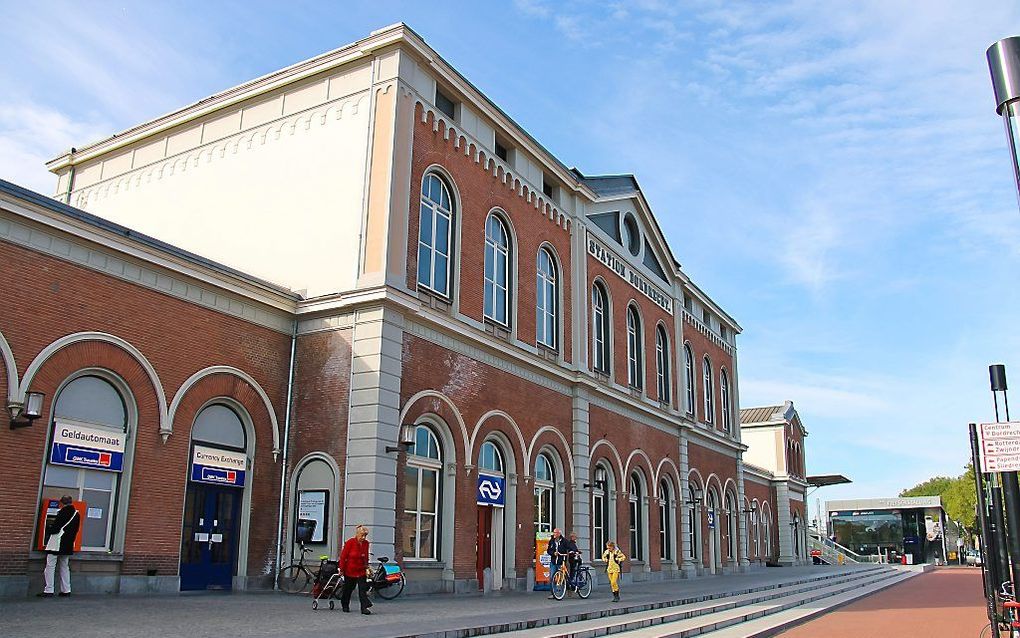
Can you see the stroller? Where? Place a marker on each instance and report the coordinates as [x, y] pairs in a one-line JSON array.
[[327, 582]]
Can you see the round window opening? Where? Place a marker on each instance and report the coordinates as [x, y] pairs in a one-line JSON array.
[[631, 234]]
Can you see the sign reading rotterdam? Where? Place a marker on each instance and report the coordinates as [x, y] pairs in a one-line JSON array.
[[628, 274]]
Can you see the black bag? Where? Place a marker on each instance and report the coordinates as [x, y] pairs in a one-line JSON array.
[[327, 569]]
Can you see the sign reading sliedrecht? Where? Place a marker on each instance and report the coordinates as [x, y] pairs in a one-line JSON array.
[[620, 267], [83, 446], [219, 467], [1000, 446]]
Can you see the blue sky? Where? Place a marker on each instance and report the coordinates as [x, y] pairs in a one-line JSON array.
[[833, 174]]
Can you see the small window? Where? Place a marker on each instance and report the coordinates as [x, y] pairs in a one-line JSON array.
[[547, 187], [706, 317], [445, 104], [501, 152], [688, 303], [631, 234], [724, 332]]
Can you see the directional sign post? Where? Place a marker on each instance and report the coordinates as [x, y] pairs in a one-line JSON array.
[[1000, 446]]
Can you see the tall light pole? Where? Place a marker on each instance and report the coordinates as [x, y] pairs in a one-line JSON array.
[[1004, 64]]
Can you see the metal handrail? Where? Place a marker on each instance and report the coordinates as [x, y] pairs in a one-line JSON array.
[[833, 550]]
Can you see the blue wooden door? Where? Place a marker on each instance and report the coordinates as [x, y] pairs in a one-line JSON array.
[[209, 539]]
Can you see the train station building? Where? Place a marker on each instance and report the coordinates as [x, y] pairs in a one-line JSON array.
[[355, 291]]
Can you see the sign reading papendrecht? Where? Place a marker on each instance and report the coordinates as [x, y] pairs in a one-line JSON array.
[[219, 467], [83, 446]]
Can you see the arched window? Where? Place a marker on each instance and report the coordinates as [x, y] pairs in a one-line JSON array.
[[731, 528], [92, 406], [545, 483], [689, 377], [724, 397], [422, 485], [601, 517], [662, 381], [221, 426], [766, 533], [665, 520], [490, 458], [547, 300], [637, 550], [756, 529], [709, 391], [635, 368], [600, 328], [435, 235], [693, 522], [796, 535], [497, 270]]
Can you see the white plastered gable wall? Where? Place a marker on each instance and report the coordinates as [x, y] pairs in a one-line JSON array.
[[273, 185]]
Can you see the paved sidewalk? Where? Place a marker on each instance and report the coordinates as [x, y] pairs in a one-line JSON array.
[[947, 602], [271, 614]]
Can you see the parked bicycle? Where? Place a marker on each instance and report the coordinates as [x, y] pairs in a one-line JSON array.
[[581, 581], [296, 577], [1009, 622], [387, 580]]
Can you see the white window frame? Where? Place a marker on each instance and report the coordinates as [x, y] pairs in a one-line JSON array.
[[547, 488], [495, 251], [600, 328], [635, 363], [724, 398], [666, 535], [437, 210], [690, 378], [427, 464], [662, 376], [709, 414], [693, 524], [635, 515], [546, 300]]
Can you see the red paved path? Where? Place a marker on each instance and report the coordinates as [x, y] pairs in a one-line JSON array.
[[945, 603]]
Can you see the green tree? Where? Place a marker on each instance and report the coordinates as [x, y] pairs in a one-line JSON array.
[[936, 486]]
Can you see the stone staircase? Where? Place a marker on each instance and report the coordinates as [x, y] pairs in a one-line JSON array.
[[760, 611]]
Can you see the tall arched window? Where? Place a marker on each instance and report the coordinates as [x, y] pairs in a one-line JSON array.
[[689, 377], [422, 486], [693, 522], [88, 405], [547, 300], [635, 368], [709, 391], [600, 328], [662, 382], [545, 483], [731, 528], [766, 533], [724, 398], [755, 531], [497, 270], [601, 518], [490, 458], [435, 235], [637, 550], [665, 520]]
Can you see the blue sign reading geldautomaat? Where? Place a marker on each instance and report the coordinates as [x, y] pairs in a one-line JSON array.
[[84, 446]]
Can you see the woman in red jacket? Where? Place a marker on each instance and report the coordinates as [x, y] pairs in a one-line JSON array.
[[354, 565]]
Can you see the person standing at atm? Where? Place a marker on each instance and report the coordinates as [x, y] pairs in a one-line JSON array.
[[66, 524]]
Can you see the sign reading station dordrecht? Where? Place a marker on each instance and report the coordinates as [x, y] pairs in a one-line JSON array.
[[597, 250], [84, 446], [218, 467], [491, 490]]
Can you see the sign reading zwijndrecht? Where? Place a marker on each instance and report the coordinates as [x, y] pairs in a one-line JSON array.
[[219, 467], [599, 251], [83, 446]]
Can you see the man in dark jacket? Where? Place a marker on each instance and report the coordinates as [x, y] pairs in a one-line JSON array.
[[557, 550], [67, 519]]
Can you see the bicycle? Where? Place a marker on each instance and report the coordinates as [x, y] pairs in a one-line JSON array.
[[387, 581], [294, 578], [1009, 620], [582, 581]]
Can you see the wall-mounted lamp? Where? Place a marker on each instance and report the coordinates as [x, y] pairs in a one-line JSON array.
[[752, 509], [698, 494], [407, 434], [600, 479], [23, 414]]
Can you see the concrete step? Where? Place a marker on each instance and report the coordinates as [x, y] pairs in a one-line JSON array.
[[619, 620], [773, 624], [736, 622]]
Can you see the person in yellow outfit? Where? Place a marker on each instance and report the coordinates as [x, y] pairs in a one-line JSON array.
[[613, 557]]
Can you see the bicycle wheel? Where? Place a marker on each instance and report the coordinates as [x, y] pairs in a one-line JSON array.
[[293, 579], [392, 590], [559, 585], [584, 583]]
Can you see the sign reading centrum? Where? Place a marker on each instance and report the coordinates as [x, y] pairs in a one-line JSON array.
[[1000, 446], [620, 267]]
